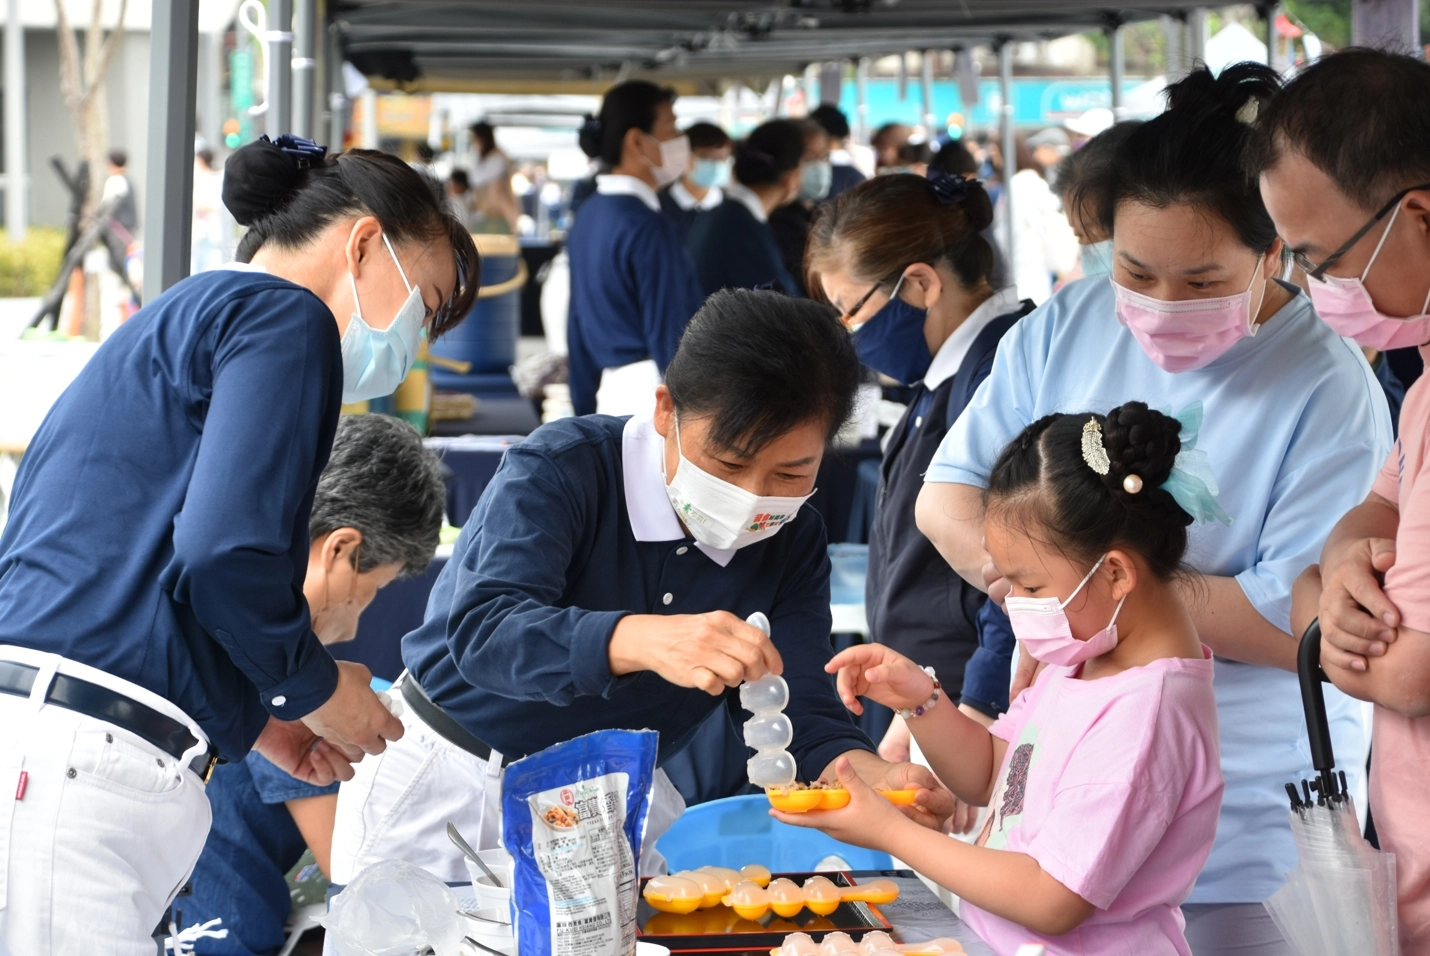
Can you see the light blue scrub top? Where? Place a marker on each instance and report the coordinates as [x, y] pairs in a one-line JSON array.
[[1296, 427]]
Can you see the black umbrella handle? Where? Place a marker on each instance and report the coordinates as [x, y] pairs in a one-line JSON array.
[[1308, 668]]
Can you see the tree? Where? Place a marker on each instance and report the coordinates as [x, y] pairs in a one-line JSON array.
[[82, 84]]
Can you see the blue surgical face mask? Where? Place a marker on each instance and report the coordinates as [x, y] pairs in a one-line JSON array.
[[1096, 258], [711, 173], [817, 177], [893, 340], [375, 361]]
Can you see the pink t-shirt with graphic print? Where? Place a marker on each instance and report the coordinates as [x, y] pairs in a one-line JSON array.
[[1401, 768], [1113, 786]]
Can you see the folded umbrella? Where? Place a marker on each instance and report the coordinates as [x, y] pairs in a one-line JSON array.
[[1340, 896]]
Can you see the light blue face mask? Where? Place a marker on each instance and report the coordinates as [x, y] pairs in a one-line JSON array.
[[711, 173], [817, 177], [1096, 258], [375, 361]]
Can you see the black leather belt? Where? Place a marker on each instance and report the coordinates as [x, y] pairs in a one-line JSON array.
[[443, 724], [101, 703]]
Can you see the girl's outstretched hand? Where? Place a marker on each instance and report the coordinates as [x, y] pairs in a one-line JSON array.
[[864, 822], [880, 674]]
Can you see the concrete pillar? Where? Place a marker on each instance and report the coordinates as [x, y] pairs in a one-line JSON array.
[[17, 137], [1009, 146], [1117, 67], [278, 44], [304, 66], [861, 91], [169, 179], [1197, 35], [1390, 24], [337, 93], [931, 122]]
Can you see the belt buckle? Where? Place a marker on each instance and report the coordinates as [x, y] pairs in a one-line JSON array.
[[209, 766]]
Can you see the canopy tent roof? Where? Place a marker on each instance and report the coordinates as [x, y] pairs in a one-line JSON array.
[[464, 44]]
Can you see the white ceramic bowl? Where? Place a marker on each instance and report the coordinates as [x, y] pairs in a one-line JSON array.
[[494, 935], [488, 895]]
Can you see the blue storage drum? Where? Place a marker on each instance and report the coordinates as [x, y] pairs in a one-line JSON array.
[[486, 338]]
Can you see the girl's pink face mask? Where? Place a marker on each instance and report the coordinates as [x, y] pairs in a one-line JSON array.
[[1187, 334], [1042, 626], [1345, 305]]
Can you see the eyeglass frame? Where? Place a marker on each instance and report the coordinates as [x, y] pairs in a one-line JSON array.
[[1318, 271], [848, 316]]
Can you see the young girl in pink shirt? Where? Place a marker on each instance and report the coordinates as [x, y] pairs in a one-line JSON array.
[[1103, 779]]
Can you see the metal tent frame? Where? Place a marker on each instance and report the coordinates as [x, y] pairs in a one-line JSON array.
[[446, 44]]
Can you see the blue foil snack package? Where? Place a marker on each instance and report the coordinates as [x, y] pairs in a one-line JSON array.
[[573, 817]]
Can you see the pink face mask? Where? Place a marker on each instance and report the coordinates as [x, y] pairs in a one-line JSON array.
[[1345, 305], [1187, 334], [1041, 624]]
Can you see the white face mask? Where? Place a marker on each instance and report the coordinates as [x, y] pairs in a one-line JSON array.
[[674, 160], [721, 515], [375, 361]]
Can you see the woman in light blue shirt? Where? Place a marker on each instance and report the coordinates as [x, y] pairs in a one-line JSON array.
[[1295, 426]]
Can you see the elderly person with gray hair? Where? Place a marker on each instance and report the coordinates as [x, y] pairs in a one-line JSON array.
[[376, 516]]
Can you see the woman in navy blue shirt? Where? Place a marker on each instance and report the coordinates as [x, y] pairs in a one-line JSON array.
[[633, 285], [151, 608], [604, 580], [904, 260], [733, 244]]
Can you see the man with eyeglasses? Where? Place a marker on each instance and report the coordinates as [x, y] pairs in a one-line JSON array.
[[1344, 161]]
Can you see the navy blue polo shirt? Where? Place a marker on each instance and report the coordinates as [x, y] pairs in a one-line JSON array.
[[240, 876], [159, 524], [633, 285], [575, 532]]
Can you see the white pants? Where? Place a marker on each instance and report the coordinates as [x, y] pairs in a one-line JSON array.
[[398, 805], [629, 389], [98, 828]]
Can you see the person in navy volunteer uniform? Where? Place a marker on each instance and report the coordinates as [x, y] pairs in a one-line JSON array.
[[843, 175], [376, 516], [733, 244], [633, 285], [701, 188], [904, 260], [151, 608], [604, 581]]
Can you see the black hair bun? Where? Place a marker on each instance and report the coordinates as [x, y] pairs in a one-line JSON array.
[[260, 177], [589, 138], [1227, 94], [1144, 442]]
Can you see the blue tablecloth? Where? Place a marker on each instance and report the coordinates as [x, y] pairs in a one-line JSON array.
[[471, 461]]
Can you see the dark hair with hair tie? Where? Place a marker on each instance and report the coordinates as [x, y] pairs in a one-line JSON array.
[[880, 227], [1043, 480], [1194, 154], [770, 151], [626, 106], [288, 192]]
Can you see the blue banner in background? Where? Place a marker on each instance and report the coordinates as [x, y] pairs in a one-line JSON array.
[[1036, 101]]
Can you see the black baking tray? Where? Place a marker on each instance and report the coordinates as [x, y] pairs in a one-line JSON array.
[[722, 932]]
